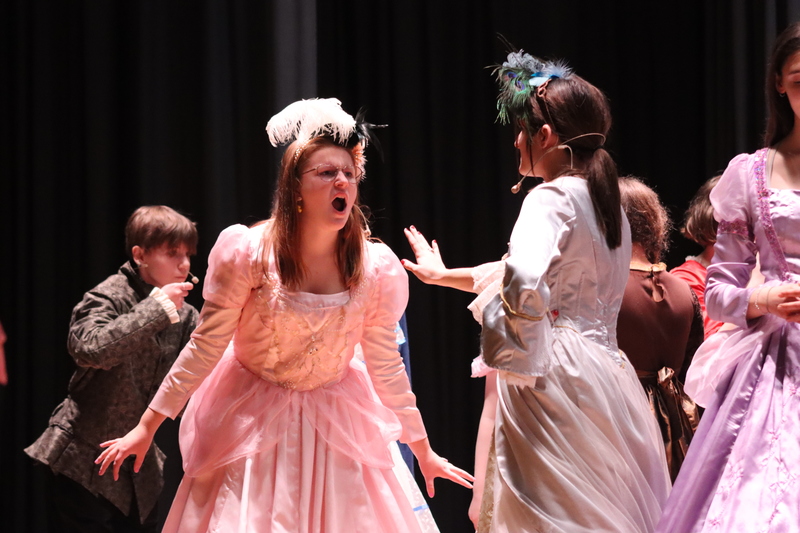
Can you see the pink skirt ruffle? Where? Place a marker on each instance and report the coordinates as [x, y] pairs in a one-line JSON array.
[[263, 459], [234, 414]]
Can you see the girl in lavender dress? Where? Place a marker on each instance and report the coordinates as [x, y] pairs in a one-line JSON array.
[[740, 474]]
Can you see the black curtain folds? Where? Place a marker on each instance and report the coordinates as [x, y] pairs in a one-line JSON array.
[[110, 105]]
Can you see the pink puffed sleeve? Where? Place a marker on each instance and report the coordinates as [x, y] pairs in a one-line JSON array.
[[231, 275], [732, 198], [233, 265], [383, 360]]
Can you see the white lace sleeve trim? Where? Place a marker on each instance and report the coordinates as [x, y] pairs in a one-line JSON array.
[[168, 305]]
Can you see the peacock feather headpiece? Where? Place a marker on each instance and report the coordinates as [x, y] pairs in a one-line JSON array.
[[519, 76]]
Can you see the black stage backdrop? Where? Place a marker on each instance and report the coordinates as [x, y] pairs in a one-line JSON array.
[[110, 105]]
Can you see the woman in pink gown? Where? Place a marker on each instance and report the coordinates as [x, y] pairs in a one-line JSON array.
[[283, 432]]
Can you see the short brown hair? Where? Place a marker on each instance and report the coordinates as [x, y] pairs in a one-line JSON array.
[[650, 224], [151, 226], [699, 224]]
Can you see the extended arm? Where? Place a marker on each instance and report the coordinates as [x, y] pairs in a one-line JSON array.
[[430, 268], [387, 372]]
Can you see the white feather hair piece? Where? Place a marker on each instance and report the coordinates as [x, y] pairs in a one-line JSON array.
[[306, 119]]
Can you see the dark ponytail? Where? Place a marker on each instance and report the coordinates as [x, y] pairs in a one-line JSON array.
[[579, 114], [601, 173]]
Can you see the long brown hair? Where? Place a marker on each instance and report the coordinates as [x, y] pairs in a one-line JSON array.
[[780, 117], [574, 107], [281, 237]]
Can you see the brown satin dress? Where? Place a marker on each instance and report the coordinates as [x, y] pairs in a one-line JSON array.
[[659, 328]]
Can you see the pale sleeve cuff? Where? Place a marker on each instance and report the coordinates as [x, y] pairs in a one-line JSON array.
[[486, 281], [518, 380], [168, 305], [480, 369]]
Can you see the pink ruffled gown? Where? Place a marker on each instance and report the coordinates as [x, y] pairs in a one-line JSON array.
[[283, 432], [740, 474]]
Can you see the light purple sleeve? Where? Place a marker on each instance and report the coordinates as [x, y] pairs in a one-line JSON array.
[[733, 200]]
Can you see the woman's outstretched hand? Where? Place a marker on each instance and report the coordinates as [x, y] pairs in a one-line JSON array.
[[432, 466], [429, 267], [136, 442]]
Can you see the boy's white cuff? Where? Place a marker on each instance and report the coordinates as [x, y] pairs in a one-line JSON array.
[[168, 305]]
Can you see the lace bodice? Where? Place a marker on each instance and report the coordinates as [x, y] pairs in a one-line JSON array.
[[295, 340]]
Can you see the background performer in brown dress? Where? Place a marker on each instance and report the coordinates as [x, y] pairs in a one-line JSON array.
[[660, 325]]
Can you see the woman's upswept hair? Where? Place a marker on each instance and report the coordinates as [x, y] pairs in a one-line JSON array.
[[699, 224], [574, 107], [780, 117], [650, 223], [151, 226], [281, 237]]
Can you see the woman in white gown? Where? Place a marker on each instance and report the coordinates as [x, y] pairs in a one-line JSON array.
[[575, 447]]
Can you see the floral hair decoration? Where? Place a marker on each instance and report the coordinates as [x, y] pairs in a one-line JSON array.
[[519, 76]]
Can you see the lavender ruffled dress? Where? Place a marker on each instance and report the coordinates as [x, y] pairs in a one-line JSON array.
[[741, 472]]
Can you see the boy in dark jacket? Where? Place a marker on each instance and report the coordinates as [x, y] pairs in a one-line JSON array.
[[124, 336]]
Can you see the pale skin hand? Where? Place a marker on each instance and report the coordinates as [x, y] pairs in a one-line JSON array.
[[177, 292], [136, 442], [780, 300], [432, 466], [430, 268]]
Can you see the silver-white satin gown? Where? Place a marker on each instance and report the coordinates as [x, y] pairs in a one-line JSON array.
[[576, 448]]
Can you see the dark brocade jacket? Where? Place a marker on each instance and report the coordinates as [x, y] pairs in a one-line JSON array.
[[124, 344]]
